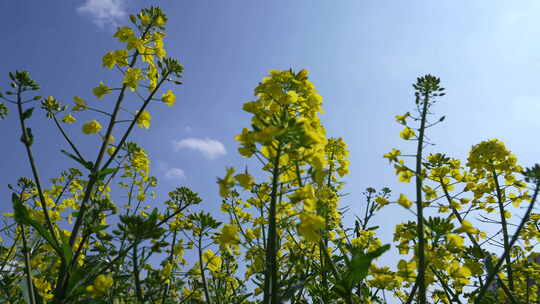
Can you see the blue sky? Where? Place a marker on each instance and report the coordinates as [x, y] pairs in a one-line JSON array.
[[363, 57]]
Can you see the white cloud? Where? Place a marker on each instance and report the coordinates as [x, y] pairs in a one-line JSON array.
[[104, 12], [175, 173], [208, 147]]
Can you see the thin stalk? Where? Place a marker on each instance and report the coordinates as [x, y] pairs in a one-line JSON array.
[[63, 277], [201, 267], [27, 268], [508, 293], [66, 137], [325, 235], [504, 230], [335, 272], [413, 292], [270, 281], [491, 276], [101, 153], [166, 287], [138, 289], [420, 208], [27, 143], [8, 256], [449, 294]]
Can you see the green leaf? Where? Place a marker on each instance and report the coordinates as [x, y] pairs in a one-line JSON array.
[[66, 248], [3, 110], [82, 276], [23, 284], [87, 164], [295, 285], [359, 265], [28, 113], [101, 174], [29, 139], [21, 214], [23, 218]]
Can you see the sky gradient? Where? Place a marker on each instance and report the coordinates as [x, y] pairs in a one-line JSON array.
[[362, 56]]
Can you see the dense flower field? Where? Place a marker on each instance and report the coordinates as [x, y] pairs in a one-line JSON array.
[[88, 236]]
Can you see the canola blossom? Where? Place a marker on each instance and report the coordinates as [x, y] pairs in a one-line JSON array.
[[102, 231], [91, 127]]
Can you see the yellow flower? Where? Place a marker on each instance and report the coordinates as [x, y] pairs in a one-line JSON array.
[[492, 155], [406, 133], [406, 176], [121, 57], [145, 19], [402, 118], [160, 20], [69, 119], [80, 104], [252, 234], [267, 134], [168, 98], [307, 192], [228, 236], [245, 180], [404, 201], [459, 273], [110, 140], [101, 286], [226, 183], [455, 240], [135, 43], [292, 97], [101, 90], [110, 150], [381, 200], [392, 155], [144, 120], [466, 227], [112, 58], [91, 127], [43, 287], [309, 227], [132, 78], [303, 73], [406, 270], [108, 60], [123, 34], [213, 262]]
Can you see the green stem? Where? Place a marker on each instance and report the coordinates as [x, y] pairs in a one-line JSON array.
[[66, 137], [335, 272], [171, 255], [138, 288], [504, 230], [201, 267], [420, 207], [110, 127], [27, 268], [271, 291], [449, 294], [27, 143], [491, 275]]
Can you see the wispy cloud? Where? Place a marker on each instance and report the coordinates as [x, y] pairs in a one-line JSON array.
[[175, 173], [103, 12], [210, 148]]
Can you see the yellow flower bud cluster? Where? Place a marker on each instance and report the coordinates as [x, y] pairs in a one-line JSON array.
[[100, 287]]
